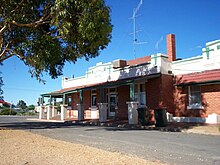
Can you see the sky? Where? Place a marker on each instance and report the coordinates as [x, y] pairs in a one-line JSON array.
[[194, 22]]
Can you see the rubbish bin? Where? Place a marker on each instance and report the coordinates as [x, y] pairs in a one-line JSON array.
[[143, 115], [160, 117]]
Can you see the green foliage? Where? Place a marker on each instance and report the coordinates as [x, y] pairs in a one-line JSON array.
[[21, 104], [26, 114], [7, 111], [45, 34], [31, 107]]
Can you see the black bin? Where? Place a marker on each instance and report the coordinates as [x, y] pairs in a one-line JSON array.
[[160, 117], [143, 115]]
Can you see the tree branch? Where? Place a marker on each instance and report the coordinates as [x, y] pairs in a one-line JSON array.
[[33, 24], [3, 52], [3, 56], [18, 5], [2, 29]]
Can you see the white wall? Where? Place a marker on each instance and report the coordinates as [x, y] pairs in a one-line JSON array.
[[105, 72], [209, 60]]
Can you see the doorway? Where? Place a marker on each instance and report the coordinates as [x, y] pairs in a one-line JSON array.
[[112, 101]]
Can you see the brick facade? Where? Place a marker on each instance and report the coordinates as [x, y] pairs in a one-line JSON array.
[[210, 95], [171, 47], [123, 97], [160, 93]]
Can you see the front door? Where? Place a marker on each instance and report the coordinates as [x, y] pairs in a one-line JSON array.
[[112, 102]]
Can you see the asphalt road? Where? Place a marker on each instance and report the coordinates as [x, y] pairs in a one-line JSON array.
[[169, 147]]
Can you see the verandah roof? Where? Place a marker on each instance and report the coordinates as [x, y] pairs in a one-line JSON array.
[[199, 78], [60, 93]]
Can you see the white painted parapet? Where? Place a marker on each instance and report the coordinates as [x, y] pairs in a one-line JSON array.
[[106, 72], [132, 112], [102, 112], [209, 60]]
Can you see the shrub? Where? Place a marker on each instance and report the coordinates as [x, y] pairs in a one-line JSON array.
[[7, 111]]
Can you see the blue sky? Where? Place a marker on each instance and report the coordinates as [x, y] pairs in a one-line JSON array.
[[194, 22]]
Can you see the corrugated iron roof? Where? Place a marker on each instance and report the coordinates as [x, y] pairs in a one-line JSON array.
[[96, 85], [199, 77]]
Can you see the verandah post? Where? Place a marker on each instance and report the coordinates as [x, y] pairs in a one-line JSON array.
[[80, 106]]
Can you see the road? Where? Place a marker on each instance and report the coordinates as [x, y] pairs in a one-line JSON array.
[[169, 147]]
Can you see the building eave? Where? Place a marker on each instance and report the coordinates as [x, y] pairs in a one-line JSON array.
[[199, 83]]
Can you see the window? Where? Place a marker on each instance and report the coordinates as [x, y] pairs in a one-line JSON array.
[[112, 90], [195, 100], [69, 100], [93, 98], [140, 94]]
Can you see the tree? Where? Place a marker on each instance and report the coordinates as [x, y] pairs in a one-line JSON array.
[[21, 104], [31, 107], [1, 84], [45, 34]]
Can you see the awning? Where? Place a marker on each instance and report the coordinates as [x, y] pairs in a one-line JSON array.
[[199, 78], [108, 84]]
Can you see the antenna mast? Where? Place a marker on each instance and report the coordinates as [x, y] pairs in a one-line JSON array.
[[134, 26]]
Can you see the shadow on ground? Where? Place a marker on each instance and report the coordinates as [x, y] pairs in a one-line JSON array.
[[109, 125], [33, 125]]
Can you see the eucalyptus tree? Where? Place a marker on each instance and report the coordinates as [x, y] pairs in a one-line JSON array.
[[45, 34], [1, 84]]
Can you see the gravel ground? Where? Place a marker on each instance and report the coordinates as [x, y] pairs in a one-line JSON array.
[[20, 148], [207, 130]]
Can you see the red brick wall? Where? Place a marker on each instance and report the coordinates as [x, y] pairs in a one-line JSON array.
[[180, 100], [75, 100], [210, 100], [167, 93], [87, 99], [171, 47], [160, 93], [153, 87], [123, 97]]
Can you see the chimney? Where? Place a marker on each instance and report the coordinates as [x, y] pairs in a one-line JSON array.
[[171, 47]]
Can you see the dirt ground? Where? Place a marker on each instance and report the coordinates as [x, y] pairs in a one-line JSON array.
[[208, 130], [20, 148]]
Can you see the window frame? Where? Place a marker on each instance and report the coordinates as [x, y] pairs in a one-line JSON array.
[[140, 94], [93, 95], [193, 95]]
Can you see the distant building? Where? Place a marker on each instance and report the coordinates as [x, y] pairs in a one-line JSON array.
[[4, 104], [189, 89]]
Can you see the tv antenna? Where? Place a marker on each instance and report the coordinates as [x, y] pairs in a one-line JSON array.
[[134, 27]]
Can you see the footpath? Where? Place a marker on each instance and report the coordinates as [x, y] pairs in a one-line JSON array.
[[198, 128]]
